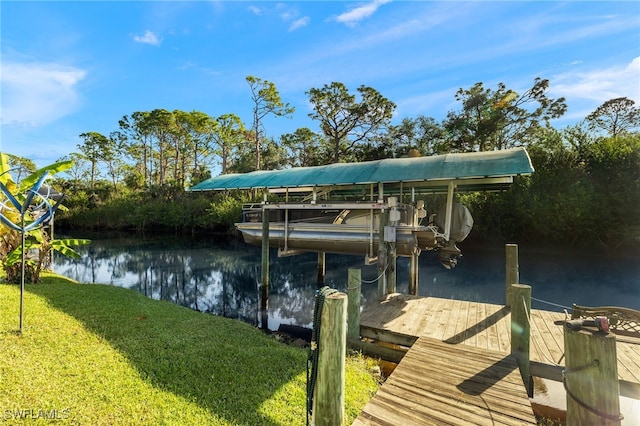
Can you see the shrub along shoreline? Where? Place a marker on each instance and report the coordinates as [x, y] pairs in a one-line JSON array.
[[98, 354]]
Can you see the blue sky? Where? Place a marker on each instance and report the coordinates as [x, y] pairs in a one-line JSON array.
[[74, 67]]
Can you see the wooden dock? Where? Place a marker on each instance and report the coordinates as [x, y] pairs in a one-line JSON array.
[[440, 383], [471, 337]]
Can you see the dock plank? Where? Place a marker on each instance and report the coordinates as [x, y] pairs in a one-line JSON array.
[[549, 334], [481, 387], [447, 316], [452, 324]]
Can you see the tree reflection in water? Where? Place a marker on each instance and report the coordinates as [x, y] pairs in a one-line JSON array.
[[222, 277]]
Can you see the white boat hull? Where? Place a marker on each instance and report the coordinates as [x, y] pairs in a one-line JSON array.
[[338, 238]]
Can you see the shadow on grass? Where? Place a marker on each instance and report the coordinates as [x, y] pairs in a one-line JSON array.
[[225, 366]]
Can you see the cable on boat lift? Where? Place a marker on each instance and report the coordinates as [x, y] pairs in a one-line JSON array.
[[379, 276]]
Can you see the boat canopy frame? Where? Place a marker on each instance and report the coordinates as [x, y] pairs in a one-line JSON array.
[[438, 174], [472, 171]]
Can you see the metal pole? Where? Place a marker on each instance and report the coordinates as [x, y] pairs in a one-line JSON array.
[[447, 222], [382, 256], [22, 278], [413, 274]]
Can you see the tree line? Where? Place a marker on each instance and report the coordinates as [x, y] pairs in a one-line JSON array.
[[586, 189]]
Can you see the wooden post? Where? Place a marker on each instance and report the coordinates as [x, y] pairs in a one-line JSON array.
[[591, 377], [391, 275], [393, 219], [521, 331], [512, 274], [328, 402], [413, 274], [354, 284], [322, 268], [264, 283], [383, 254]]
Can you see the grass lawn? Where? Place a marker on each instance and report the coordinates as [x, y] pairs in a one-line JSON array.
[[103, 355]]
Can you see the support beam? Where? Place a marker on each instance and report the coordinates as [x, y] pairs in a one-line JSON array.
[[447, 223], [383, 261], [393, 219], [322, 268], [413, 274], [390, 274], [264, 283]]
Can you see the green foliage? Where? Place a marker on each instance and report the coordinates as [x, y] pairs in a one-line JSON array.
[[346, 122], [228, 138], [24, 208], [616, 117], [500, 119], [226, 209], [266, 101], [588, 197], [38, 248], [96, 148], [159, 208], [273, 156], [305, 148]]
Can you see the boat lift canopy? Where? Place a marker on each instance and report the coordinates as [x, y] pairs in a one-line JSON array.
[[356, 182], [473, 171]]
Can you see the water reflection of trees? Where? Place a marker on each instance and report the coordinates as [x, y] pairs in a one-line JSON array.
[[217, 278]]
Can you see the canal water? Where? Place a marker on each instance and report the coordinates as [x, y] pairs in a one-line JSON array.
[[222, 276]]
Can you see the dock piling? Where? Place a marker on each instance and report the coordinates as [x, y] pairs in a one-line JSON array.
[[591, 378], [329, 395], [521, 331], [353, 307], [512, 272]]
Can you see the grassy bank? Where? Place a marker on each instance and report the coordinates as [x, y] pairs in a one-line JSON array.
[[102, 355]]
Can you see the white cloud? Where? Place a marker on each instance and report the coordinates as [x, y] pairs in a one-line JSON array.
[[34, 94], [600, 84], [586, 90], [287, 15], [361, 12], [148, 38], [255, 10], [299, 23]]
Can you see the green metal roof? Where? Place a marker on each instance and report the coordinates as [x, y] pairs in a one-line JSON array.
[[505, 163]]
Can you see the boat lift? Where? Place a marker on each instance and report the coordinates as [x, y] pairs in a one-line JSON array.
[[370, 208]]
